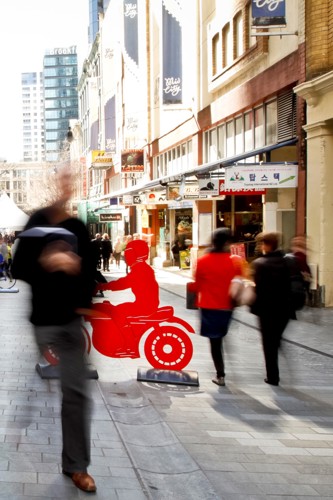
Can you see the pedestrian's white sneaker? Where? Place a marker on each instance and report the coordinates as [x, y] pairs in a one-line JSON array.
[[218, 380]]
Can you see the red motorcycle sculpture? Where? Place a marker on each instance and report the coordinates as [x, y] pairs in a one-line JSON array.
[[118, 329], [166, 347]]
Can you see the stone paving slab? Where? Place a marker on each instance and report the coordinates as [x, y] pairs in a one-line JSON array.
[[152, 440]]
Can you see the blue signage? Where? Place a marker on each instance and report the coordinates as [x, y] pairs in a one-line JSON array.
[[268, 12]]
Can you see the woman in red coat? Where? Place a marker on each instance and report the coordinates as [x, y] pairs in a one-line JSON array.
[[213, 276]]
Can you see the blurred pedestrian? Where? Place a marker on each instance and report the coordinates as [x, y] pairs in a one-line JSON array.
[[128, 238], [97, 250], [214, 272], [117, 249], [106, 247], [61, 276], [271, 275], [299, 250]]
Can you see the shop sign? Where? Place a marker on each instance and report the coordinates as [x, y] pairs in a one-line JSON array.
[[185, 259], [127, 199], [111, 217], [268, 13], [101, 160], [137, 199], [132, 161], [238, 249], [223, 191], [208, 186], [191, 191], [156, 197], [264, 176]]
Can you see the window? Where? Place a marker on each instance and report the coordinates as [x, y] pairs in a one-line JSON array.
[[271, 122], [221, 141], [226, 46], [259, 135], [251, 40], [212, 145], [239, 137], [238, 35], [216, 56], [230, 139], [248, 131]]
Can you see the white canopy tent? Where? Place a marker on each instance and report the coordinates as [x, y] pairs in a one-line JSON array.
[[11, 216]]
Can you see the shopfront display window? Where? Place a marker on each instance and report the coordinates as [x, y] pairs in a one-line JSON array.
[[243, 216]]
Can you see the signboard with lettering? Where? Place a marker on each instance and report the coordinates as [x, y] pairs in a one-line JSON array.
[[110, 217], [223, 191], [101, 160], [268, 13], [132, 161], [265, 175]]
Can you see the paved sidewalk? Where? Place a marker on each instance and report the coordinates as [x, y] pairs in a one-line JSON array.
[[247, 440]]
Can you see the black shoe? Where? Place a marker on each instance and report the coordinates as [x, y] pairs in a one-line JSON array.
[[271, 382]]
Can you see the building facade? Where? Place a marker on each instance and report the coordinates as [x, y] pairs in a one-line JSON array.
[[211, 93], [60, 70], [32, 115]]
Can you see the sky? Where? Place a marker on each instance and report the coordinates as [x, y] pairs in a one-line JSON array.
[[27, 29]]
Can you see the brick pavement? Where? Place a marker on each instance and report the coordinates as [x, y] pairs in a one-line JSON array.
[[247, 440]]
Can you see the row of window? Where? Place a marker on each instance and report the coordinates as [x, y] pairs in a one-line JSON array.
[[177, 159], [251, 130], [61, 82], [60, 61], [67, 71], [61, 113], [231, 41]]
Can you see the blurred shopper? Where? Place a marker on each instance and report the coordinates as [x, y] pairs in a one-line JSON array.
[[299, 250], [117, 249], [128, 238], [97, 249], [213, 276], [106, 246], [61, 276], [271, 275]]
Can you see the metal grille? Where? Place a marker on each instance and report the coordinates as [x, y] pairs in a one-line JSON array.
[[286, 109]]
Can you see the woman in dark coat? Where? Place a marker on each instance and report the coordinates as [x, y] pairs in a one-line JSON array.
[[273, 300], [106, 246]]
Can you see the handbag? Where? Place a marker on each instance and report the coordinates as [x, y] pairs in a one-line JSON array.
[[242, 292], [191, 298]]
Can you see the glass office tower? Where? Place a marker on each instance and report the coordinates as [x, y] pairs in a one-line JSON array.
[[60, 98], [32, 92]]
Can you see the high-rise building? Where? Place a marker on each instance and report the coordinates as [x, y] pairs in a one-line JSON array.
[[60, 98], [96, 7], [32, 116]]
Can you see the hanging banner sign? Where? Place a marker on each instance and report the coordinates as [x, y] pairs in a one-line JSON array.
[[268, 176], [223, 191], [268, 13]]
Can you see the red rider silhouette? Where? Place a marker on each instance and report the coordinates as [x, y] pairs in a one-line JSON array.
[[141, 280]]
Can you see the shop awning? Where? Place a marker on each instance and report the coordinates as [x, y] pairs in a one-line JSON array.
[[199, 170]]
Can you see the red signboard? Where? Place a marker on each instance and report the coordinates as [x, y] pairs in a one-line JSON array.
[[132, 160], [238, 249], [247, 192]]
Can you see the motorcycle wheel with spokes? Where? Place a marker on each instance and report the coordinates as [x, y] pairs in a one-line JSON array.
[[168, 348]]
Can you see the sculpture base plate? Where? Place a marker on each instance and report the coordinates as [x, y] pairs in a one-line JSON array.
[[168, 376], [52, 371]]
